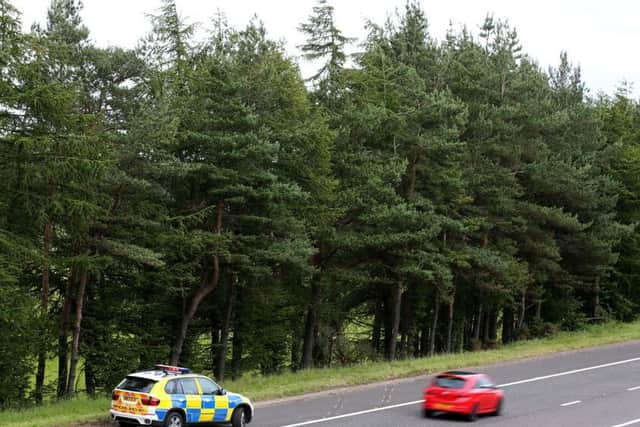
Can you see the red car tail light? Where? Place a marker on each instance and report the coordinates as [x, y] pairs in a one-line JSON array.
[[150, 401], [115, 395]]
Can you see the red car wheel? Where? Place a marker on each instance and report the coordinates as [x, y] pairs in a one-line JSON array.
[[498, 410], [473, 415]]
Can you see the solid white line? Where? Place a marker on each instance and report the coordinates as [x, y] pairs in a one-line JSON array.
[[575, 402], [353, 414], [528, 380], [628, 423], [574, 371], [633, 388]]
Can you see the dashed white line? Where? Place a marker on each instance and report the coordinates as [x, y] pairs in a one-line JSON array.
[[575, 402], [628, 423], [528, 380], [634, 388]]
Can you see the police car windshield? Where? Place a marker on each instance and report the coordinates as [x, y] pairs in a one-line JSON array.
[[141, 385]]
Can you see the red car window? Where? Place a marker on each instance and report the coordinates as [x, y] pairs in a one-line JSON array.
[[449, 382]]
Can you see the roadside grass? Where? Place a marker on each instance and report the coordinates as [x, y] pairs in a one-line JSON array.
[[68, 413], [59, 414]]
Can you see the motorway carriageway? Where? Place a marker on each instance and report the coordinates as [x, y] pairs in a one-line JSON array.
[[598, 387]]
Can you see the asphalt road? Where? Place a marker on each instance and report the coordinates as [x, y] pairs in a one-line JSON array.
[[587, 388]]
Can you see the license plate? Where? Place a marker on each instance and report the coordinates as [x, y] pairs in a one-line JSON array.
[[443, 405], [131, 399]]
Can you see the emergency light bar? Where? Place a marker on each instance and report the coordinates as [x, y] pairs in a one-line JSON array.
[[172, 369]]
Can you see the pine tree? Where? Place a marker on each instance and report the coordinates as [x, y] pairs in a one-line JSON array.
[[325, 43]]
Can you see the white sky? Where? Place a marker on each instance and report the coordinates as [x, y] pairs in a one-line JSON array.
[[601, 36]]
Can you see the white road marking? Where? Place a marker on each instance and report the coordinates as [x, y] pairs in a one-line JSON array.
[[574, 371], [628, 423], [528, 380], [575, 402], [633, 388], [353, 414]]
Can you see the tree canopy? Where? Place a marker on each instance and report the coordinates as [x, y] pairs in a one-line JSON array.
[[197, 201]]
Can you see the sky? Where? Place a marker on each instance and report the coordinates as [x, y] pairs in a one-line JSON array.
[[600, 36]]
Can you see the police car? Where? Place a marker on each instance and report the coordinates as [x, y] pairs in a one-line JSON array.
[[172, 396]]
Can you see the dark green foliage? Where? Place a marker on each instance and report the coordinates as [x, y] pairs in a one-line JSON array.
[[196, 202], [17, 343]]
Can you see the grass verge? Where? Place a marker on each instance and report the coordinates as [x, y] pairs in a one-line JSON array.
[[69, 413], [63, 413]]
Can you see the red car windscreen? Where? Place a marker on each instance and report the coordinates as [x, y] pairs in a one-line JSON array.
[[449, 382]]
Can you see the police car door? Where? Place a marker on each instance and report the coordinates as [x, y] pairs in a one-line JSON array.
[[190, 389], [213, 401]]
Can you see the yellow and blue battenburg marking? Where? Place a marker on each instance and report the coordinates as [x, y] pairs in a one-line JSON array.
[[200, 408]]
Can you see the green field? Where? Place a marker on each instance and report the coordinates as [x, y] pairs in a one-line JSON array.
[[80, 410]]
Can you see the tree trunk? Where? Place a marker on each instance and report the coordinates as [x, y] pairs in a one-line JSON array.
[[309, 333], [295, 345], [236, 356], [416, 343], [485, 333], [200, 294], [507, 325], [450, 325], [319, 347], [236, 341], [63, 337], [221, 354], [523, 309], [44, 314], [215, 339], [90, 378], [493, 326], [396, 305], [332, 341], [310, 327], [463, 334], [424, 338], [377, 328], [477, 324], [539, 309], [434, 326], [406, 323], [596, 299], [75, 347], [403, 346]]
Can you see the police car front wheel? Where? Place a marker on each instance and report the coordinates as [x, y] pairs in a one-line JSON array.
[[174, 419], [239, 419]]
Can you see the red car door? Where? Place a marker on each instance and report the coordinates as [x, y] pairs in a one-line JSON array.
[[485, 394]]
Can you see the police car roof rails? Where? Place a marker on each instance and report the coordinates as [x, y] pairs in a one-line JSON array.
[[168, 369]]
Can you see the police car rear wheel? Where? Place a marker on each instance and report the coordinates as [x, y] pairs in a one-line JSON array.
[[174, 419], [238, 419]]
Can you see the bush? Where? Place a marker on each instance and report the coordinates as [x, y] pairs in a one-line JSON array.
[[540, 329], [573, 321]]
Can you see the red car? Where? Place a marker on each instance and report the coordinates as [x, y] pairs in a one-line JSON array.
[[465, 393]]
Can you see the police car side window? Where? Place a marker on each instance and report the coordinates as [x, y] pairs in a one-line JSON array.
[[189, 386], [173, 387], [208, 386]]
